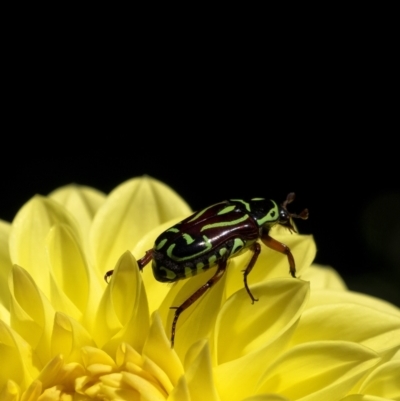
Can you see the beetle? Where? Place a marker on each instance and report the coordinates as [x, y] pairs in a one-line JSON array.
[[211, 236]]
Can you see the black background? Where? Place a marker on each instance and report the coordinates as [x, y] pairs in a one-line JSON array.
[[321, 122], [354, 207]]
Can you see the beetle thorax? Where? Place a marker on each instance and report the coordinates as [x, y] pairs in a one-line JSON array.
[[265, 212]]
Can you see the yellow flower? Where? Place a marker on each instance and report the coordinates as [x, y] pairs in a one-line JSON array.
[[67, 335]]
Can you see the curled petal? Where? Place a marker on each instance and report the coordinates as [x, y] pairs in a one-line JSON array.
[[158, 349], [11, 391], [123, 314], [68, 338], [74, 287], [31, 313], [18, 364], [97, 361], [130, 211], [29, 233]]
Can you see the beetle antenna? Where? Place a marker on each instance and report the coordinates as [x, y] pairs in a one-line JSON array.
[[289, 199]]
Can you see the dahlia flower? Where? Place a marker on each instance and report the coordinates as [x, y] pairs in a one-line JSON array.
[[65, 334]]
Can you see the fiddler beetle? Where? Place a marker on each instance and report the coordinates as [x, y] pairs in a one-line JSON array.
[[213, 235]]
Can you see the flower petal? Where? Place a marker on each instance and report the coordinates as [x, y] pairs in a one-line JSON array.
[[129, 387], [28, 237], [75, 288], [11, 391], [349, 322], [81, 201], [68, 338], [123, 314], [242, 327], [323, 370], [249, 337], [363, 397], [18, 362], [31, 313], [267, 397], [384, 381], [321, 277], [327, 297], [5, 268], [130, 211], [158, 349], [199, 374], [196, 321]]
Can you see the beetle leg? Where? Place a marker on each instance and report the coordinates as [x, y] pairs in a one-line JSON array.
[[195, 296], [142, 262], [256, 248], [282, 248]]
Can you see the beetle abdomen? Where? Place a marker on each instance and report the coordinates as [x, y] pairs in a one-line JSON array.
[[201, 240], [167, 269]]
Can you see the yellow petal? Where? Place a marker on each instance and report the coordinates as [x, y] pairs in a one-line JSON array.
[[267, 397], [143, 367], [384, 381], [18, 363], [146, 389], [31, 313], [158, 349], [349, 322], [72, 278], [81, 201], [243, 327], [181, 392], [10, 392], [318, 371], [28, 237], [97, 361], [327, 297], [321, 277], [248, 338], [130, 211], [199, 373], [123, 314], [33, 392], [196, 321], [5, 268], [363, 397], [68, 338]]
